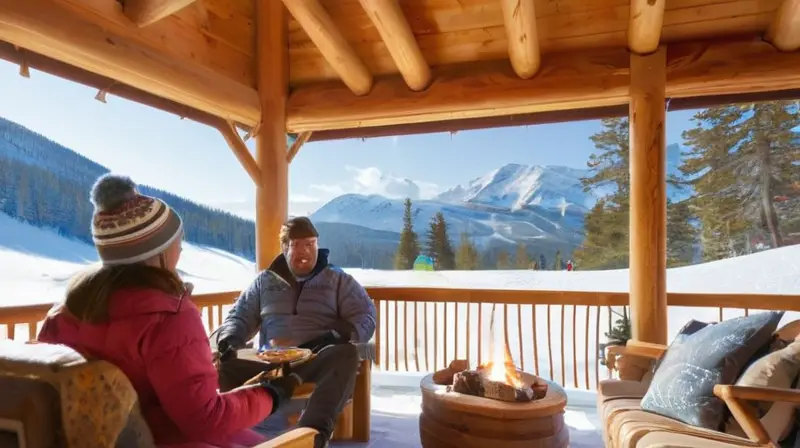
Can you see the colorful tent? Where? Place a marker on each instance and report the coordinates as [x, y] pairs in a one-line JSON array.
[[423, 263]]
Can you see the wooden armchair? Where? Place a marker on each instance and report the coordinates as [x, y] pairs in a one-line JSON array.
[[626, 425]]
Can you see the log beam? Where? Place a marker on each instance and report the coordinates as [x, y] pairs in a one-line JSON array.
[[239, 148], [586, 79], [50, 29], [395, 31], [272, 61], [648, 198], [784, 30], [519, 19], [146, 12], [319, 26], [301, 140], [644, 26]]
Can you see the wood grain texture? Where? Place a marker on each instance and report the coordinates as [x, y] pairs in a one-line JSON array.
[[648, 198], [272, 198], [56, 31]]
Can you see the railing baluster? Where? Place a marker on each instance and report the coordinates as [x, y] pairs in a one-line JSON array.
[[469, 308], [435, 335], [219, 315], [396, 340], [597, 348], [32, 333], [550, 344], [480, 332], [720, 314], [405, 333], [445, 335], [535, 342], [416, 337], [379, 324], [563, 356], [455, 339], [425, 322], [586, 347], [505, 331], [11, 329], [575, 345], [210, 318], [519, 329]]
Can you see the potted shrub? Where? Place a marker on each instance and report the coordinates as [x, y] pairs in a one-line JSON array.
[[630, 367]]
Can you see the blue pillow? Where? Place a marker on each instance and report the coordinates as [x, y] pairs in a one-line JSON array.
[[683, 386]]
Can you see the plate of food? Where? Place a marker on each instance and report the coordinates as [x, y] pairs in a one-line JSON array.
[[281, 355]]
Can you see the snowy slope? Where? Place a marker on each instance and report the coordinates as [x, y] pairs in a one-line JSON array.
[[486, 225], [36, 264], [515, 186], [542, 206]]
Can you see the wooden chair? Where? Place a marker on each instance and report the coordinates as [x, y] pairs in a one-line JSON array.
[[625, 425], [52, 396], [354, 423]]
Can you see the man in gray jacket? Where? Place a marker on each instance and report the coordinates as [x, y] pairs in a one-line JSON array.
[[302, 300]]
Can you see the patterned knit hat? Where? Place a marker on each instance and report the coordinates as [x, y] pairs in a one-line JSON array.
[[128, 227]]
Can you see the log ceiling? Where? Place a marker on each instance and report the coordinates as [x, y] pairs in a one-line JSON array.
[[386, 63]]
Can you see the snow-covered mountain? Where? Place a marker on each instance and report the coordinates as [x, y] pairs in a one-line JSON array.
[[537, 205], [514, 186]]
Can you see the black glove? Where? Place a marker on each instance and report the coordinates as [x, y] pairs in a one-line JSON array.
[[226, 350], [282, 388]]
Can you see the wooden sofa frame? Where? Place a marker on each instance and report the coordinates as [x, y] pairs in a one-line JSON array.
[[736, 398]]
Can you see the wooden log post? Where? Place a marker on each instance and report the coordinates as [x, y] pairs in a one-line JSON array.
[[648, 198], [272, 197]]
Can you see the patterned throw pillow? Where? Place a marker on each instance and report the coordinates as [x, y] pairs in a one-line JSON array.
[[683, 386]]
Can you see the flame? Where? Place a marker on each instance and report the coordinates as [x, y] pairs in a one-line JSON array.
[[501, 368]]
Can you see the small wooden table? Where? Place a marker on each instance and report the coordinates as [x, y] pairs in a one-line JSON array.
[[453, 420]]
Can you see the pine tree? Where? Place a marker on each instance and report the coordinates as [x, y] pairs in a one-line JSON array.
[[439, 247], [605, 244], [408, 250], [503, 261], [467, 256], [741, 156], [521, 259], [557, 262], [681, 235]]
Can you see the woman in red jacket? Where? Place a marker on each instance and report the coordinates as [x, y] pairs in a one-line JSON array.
[[135, 312]]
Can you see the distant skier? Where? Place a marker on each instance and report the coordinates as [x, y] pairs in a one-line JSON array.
[[569, 265]]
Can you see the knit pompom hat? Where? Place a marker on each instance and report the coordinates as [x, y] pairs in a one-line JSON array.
[[128, 227]]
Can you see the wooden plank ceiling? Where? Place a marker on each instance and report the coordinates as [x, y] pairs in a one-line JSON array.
[[395, 55]]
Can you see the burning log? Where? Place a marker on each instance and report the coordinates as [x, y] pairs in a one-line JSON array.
[[480, 384], [444, 377]]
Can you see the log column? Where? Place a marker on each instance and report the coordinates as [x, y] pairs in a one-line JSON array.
[[648, 198], [272, 198]]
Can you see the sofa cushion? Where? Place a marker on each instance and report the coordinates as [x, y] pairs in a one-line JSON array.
[[683, 386], [667, 439], [691, 327], [777, 369], [627, 429]]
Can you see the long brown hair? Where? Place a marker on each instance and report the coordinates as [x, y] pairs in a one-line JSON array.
[[89, 292]]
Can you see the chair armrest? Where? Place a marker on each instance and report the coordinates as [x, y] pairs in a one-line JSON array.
[[296, 438], [639, 348], [774, 394], [736, 398]]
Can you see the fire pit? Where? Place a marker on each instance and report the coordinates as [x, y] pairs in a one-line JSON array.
[[481, 408]]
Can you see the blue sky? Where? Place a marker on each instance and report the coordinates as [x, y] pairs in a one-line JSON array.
[[192, 160]]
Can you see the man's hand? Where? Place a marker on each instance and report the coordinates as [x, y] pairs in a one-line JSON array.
[[225, 351]]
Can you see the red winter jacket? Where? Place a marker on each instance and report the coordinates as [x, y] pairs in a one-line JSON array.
[[159, 342]]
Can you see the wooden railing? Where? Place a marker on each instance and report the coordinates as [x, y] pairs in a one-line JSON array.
[[556, 334]]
